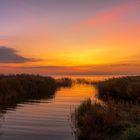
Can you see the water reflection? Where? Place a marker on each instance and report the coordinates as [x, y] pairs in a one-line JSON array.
[[42, 116], [12, 104]]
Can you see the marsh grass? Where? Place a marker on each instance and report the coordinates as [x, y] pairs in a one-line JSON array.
[[64, 82], [131, 134], [85, 81], [104, 122], [125, 88], [20, 88], [117, 118]]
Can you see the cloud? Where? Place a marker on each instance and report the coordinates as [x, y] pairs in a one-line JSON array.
[[122, 68], [105, 18], [9, 55]]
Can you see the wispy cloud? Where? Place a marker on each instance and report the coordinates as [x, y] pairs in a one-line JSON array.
[[105, 18], [10, 55]]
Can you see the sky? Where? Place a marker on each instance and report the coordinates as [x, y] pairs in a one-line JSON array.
[[70, 37]]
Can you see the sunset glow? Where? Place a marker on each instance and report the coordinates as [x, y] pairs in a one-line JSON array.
[[70, 37]]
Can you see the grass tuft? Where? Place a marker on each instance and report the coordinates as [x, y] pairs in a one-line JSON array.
[[104, 122]]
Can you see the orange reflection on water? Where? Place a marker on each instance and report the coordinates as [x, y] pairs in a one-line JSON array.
[[47, 118]]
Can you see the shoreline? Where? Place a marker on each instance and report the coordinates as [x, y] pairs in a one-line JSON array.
[[118, 119]]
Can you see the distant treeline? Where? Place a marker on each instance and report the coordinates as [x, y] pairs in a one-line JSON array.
[[20, 88]]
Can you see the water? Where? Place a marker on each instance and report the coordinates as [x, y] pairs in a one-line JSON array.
[[46, 119]]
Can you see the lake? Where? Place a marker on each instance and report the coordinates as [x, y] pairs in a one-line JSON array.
[[46, 119]]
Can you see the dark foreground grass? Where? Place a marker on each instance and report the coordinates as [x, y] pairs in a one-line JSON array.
[[125, 88], [117, 118], [19, 88], [94, 121]]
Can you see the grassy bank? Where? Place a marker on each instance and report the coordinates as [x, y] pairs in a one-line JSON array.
[[112, 120], [106, 122], [125, 88], [20, 88]]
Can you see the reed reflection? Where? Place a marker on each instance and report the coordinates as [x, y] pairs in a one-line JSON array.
[[20, 89]]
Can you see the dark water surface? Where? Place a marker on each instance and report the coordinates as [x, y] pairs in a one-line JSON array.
[[46, 119]]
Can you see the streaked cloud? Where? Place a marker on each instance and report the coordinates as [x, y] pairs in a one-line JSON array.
[[107, 17], [124, 68]]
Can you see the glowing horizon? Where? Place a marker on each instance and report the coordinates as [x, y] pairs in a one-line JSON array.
[[73, 37]]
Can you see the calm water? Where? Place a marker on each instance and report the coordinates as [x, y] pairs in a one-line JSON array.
[[47, 119]]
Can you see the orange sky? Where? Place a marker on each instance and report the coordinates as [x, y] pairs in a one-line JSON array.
[[86, 37]]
